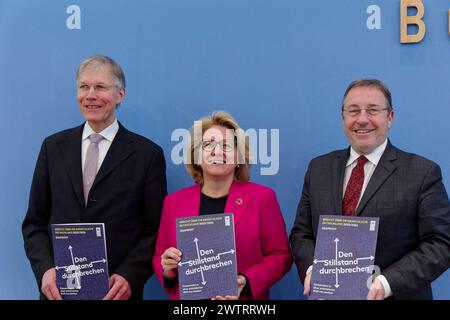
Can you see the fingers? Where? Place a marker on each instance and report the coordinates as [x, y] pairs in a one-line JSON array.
[[224, 298], [48, 287], [112, 292], [376, 291], [119, 288], [371, 295], [55, 293], [375, 294], [241, 281], [169, 261], [380, 295], [122, 294], [307, 285], [49, 293], [171, 256]]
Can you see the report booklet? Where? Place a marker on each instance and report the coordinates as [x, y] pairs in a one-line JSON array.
[[208, 262], [81, 261], [344, 257]]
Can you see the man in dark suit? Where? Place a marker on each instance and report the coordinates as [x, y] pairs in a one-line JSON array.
[[375, 179], [98, 172]]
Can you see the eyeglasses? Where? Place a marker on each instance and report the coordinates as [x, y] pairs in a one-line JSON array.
[[98, 88], [225, 145], [355, 112]]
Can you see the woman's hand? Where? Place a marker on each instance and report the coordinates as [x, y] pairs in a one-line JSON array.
[[241, 281], [169, 262]]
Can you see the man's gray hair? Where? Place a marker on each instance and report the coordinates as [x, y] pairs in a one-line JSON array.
[[100, 60]]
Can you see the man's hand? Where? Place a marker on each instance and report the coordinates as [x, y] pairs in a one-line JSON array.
[[376, 291], [48, 287], [307, 284], [169, 262], [119, 288]]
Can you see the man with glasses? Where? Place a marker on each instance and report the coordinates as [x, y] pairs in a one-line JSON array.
[[373, 178], [98, 172]]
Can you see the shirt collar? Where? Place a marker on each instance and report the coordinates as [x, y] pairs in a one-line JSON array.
[[108, 133], [374, 157]]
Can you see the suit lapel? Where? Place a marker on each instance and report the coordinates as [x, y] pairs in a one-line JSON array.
[[71, 151], [338, 178], [121, 148], [238, 199], [384, 169]]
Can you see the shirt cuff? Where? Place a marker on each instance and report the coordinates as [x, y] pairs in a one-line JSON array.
[[387, 287]]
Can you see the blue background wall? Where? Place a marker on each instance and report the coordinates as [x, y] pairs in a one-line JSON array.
[[281, 64]]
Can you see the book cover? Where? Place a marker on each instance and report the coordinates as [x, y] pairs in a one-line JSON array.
[[344, 257], [208, 262], [81, 261]]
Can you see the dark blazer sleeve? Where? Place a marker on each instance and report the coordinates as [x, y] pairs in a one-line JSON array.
[[302, 236], [431, 257], [137, 267], [37, 241]]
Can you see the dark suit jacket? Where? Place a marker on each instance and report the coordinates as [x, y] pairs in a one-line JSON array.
[[127, 195], [407, 194]]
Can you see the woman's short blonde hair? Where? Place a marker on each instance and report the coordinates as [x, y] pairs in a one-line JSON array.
[[223, 119]]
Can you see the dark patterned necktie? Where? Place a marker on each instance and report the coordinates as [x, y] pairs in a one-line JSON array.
[[354, 186]]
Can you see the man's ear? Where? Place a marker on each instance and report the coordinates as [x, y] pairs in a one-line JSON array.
[[122, 94], [390, 118]]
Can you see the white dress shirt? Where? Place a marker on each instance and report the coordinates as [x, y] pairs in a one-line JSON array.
[[369, 168], [108, 135]]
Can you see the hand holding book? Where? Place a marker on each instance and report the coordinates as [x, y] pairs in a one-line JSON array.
[[48, 286], [241, 281], [169, 260]]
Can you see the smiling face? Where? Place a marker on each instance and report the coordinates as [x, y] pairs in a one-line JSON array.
[[218, 153], [366, 132], [98, 96]]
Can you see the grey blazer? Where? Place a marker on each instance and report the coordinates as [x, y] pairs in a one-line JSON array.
[[407, 194]]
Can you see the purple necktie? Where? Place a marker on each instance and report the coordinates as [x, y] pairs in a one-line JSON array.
[[91, 164], [354, 186]]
